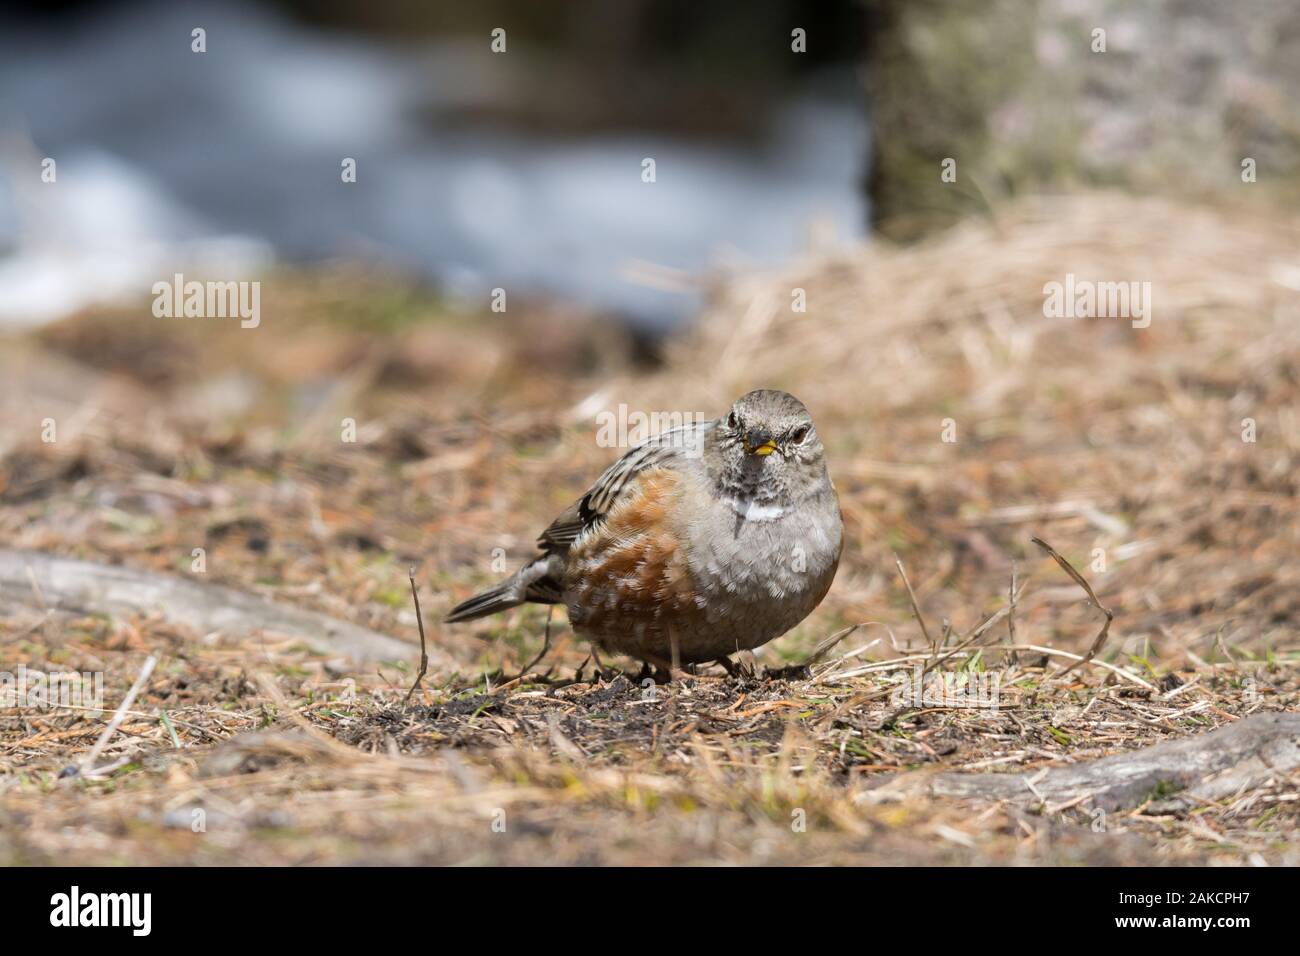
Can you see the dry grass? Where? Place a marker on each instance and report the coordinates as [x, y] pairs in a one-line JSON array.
[[1088, 433]]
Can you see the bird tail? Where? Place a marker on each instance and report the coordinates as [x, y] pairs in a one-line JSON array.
[[536, 581]]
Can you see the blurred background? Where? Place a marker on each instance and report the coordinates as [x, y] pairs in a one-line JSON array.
[[521, 169], [475, 169]]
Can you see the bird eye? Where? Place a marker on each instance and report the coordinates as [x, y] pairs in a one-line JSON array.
[[733, 421], [799, 434]]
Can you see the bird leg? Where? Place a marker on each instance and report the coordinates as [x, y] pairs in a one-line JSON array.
[[595, 656], [728, 665], [665, 672]]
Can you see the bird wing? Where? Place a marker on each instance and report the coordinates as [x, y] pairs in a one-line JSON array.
[[663, 449]]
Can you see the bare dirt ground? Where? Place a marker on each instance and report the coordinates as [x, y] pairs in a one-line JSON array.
[[1127, 449]]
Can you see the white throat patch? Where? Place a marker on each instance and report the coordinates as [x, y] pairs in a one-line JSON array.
[[751, 510]]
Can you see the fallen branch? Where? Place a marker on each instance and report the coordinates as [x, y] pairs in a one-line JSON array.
[[1210, 766], [32, 578]]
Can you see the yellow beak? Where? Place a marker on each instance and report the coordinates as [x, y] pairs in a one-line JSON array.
[[766, 448]]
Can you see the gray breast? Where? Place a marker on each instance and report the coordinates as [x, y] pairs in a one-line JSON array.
[[761, 573]]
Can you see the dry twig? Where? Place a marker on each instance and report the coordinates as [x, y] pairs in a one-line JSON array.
[[424, 653], [88, 762], [1092, 597]]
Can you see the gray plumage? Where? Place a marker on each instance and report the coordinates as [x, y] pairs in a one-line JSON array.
[[699, 542]]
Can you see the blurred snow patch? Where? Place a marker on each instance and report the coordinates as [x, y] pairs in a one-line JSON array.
[[101, 234]]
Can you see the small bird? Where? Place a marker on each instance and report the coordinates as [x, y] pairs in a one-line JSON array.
[[704, 540]]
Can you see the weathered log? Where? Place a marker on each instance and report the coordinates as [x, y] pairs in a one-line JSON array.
[[35, 579], [1210, 766]]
